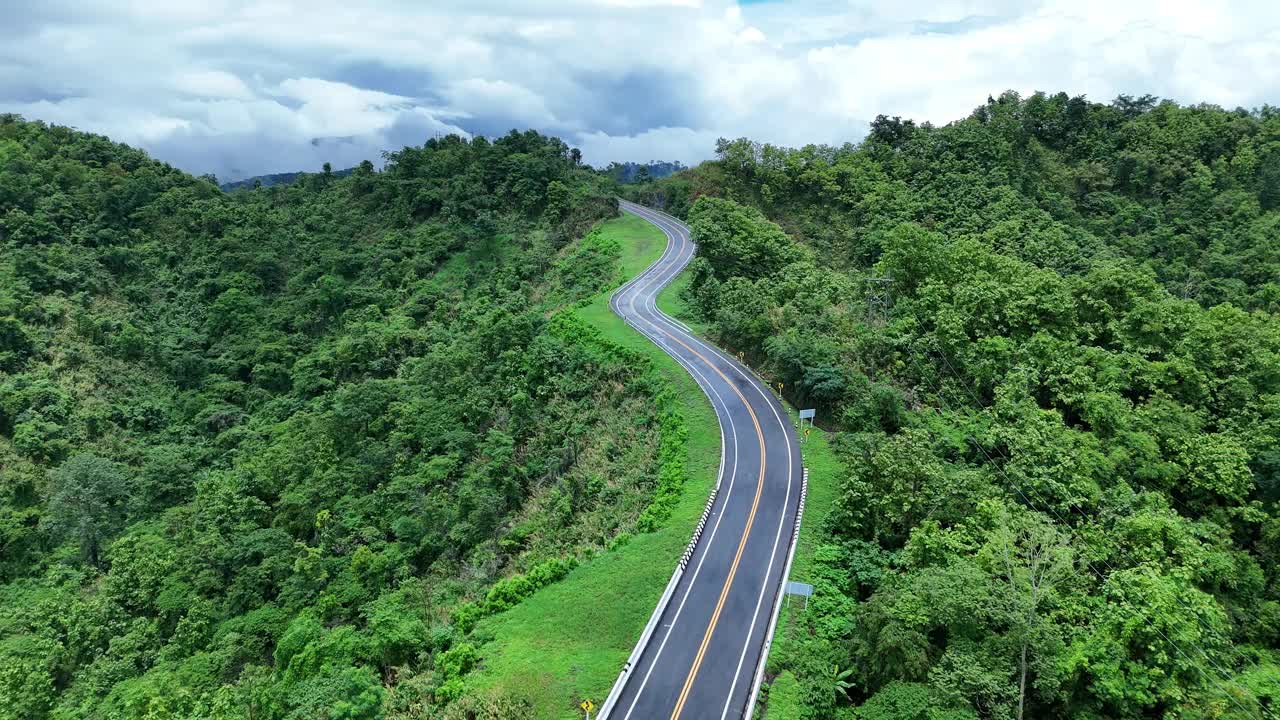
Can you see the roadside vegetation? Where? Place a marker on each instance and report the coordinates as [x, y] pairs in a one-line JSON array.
[[1044, 341]]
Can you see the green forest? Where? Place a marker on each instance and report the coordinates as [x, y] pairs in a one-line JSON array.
[[277, 453], [273, 453], [1045, 340]]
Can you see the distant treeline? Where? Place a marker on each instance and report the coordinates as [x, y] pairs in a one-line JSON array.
[[630, 172]]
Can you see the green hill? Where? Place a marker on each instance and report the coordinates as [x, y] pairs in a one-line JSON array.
[[272, 454], [1045, 339]]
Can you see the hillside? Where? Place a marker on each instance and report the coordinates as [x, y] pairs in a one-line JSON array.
[[273, 454], [369, 446], [632, 172], [1045, 341]]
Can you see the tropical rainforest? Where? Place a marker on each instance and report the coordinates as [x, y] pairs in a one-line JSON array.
[[273, 453], [1046, 341]]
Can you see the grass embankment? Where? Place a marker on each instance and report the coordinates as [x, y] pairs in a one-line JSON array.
[[569, 640], [671, 301]]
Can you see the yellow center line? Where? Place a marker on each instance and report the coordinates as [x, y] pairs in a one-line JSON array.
[[742, 544]]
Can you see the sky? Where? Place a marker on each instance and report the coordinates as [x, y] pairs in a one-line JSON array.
[[247, 88]]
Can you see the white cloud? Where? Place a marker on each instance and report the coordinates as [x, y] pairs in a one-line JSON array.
[[133, 125], [332, 109], [212, 84], [498, 97], [237, 86], [1102, 49], [687, 146]]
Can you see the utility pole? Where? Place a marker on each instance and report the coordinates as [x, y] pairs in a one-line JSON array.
[[879, 296]]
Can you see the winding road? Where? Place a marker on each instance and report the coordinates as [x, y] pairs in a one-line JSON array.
[[701, 654]]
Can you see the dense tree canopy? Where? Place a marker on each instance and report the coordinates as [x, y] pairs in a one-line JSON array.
[[1047, 338], [270, 454]]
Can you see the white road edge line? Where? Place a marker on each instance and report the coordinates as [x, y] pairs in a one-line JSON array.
[[665, 599], [714, 528], [777, 601], [742, 657]]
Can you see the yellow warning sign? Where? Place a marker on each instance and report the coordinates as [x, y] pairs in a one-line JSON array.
[[587, 706]]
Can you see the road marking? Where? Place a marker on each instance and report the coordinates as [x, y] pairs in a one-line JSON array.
[[742, 544], [764, 587], [675, 619], [672, 228], [675, 234], [742, 657]]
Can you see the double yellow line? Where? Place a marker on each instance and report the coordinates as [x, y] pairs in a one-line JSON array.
[[742, 544]]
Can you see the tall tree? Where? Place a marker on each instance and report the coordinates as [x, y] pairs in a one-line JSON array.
[[86, 502], [1032, 557]]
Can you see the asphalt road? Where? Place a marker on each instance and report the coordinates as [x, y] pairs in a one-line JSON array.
[[701, 659]]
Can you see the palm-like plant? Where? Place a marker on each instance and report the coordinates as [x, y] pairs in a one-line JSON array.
[[840, 682]]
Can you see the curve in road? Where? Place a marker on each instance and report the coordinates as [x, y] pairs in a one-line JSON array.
[[699, 656]]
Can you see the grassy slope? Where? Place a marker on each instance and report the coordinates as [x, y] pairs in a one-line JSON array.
[[568, 641], [671, 302]]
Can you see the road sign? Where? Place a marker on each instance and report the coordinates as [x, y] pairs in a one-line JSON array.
[[587, 705], [799, 588], [807, 415]]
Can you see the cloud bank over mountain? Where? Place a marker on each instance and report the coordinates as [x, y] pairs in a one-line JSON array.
[[245, 88]]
